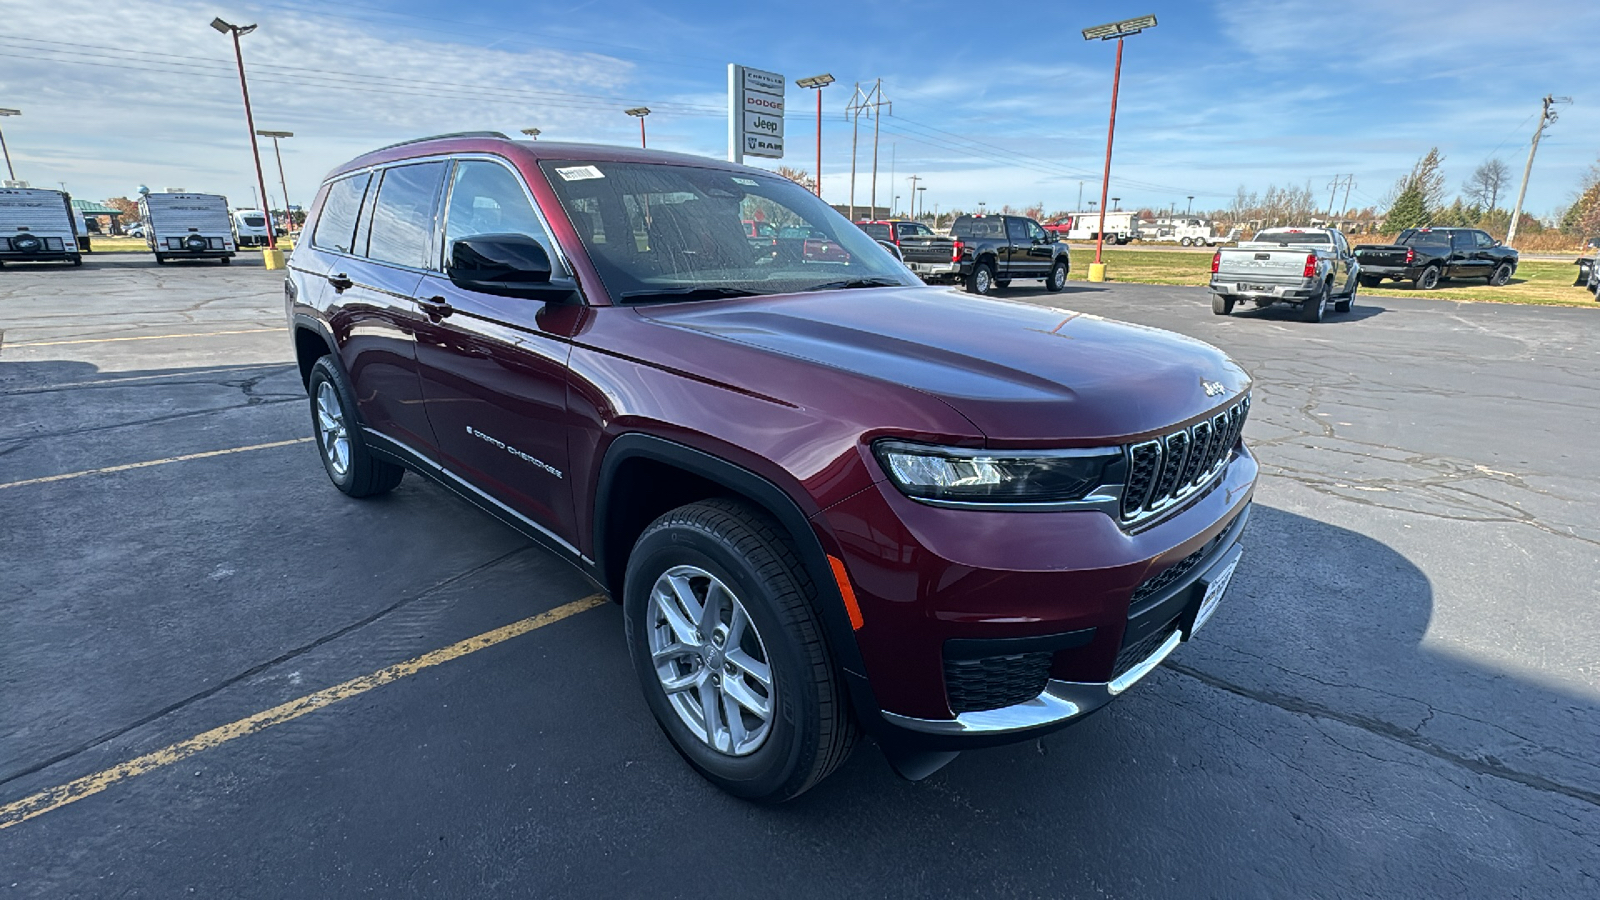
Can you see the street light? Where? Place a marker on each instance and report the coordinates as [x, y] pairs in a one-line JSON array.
[[1190, 209], [640, 112], [817, 83], [288, 224], [271, 256], [532, 133], [922, 200], [10, 173], [1118, 30]]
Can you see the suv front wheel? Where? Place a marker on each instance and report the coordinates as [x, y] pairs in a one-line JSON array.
[[350, 465], [730, 652]]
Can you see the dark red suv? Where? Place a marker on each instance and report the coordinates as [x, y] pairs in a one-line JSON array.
[[829, 499]]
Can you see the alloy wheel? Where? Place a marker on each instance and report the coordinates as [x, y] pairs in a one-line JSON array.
[[335, 437], [710, 660]]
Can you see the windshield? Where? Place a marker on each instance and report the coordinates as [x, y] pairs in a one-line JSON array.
[[662, 232], [255, 221], [1293, 237]]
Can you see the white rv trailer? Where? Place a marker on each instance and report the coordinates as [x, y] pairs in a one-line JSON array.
[[187, 226], [38, 225], [251, 227]]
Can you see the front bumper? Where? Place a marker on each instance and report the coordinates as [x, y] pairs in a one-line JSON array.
[[1266, 288], [939, 587]]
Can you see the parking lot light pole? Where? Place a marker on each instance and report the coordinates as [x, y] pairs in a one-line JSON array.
[[288, 220], [272, 256], [10, 173], [532, 133], [1118, 30], [817, 83], [640, 112]]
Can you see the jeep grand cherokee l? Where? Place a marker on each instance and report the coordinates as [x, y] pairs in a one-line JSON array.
[[829, 499]]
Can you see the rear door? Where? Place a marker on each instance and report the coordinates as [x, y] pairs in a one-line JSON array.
[[1465, 260], [1041, 248], [374, 313], [1017, 260]]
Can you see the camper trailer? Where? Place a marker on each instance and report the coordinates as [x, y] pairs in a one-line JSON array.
[[187, 226], [251, 227], [37, 225]]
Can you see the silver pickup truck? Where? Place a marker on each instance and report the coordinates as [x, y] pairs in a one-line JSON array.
[[1304, 267]]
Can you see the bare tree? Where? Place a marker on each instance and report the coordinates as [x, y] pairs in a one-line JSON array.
[[1487, 181]]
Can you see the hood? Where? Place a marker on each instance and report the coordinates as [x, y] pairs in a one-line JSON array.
[[1023, 374]]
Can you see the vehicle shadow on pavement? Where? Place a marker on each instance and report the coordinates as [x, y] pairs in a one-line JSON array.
[[1364, 309], [1310, 713]]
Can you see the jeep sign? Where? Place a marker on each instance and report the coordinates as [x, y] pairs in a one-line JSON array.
[[755, 113]]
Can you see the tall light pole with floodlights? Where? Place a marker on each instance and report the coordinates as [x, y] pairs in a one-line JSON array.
[[532, 133], [273, 258], [10, 173], [288, 219], [639, 112], [1117, 30], [817, 83]]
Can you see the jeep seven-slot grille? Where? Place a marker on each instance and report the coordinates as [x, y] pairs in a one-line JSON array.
[[995, 681], [1164, 471]]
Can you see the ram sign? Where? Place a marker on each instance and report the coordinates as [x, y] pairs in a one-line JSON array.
[[755, 113]]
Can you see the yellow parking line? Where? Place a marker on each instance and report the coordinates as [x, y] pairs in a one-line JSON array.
[[144, 337], [154, 462], [54, 798]]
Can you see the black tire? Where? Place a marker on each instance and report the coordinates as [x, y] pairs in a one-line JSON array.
[[227, 260], [1370, 281], [160, 260], [77, 261], [1002, 282], [1056, 281], [1501, 275], [1222, 304], [1428, 280], [27, 243], [811, 731], [1349, 301], [981, 280], [1315, 309], [363, 475]]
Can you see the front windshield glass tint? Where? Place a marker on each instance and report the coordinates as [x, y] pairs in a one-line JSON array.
[[662, 232], [1293, 237]]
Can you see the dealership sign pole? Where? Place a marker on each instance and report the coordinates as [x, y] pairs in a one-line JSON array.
[[1118, 30], [755, 113]]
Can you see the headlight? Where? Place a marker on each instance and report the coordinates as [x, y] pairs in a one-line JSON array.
[[994, 476]]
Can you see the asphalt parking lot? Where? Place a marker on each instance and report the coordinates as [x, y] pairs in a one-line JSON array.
[[1399, 697]]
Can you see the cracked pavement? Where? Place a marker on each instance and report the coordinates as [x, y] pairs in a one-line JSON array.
[[1397, 697]]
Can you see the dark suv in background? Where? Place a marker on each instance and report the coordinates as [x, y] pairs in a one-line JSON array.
[[828, 498]]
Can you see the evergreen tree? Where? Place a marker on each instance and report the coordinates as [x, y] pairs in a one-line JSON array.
[[1417, 194]]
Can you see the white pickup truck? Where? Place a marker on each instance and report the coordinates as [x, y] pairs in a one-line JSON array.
[[1304, 267]]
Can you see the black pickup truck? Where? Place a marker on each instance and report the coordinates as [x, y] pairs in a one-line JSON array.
[[1424, 256], [984, 252]]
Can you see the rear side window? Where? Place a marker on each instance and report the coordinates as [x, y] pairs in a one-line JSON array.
[[336, 226], [1462, 240], [978, 228], [402, 217], [876, 231], [485, 198], [1017, 230], [1424, 239], [911, 229]]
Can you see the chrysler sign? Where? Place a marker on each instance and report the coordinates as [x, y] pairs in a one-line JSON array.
[[755, 113]]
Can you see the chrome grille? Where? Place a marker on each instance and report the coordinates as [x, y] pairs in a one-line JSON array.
[[1167, 470]]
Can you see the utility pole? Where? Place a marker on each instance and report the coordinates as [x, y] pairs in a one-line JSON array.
[[1333, 188], [914, 179], [1080, 198], [1546, 118], [877, 117], [895, 206], [852, 111], [1349, 182]]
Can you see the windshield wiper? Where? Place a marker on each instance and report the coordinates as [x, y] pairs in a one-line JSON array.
[[875, 281], [688, 293]]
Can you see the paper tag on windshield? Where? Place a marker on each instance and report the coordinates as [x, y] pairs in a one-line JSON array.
[[748, 181], [579, 173]]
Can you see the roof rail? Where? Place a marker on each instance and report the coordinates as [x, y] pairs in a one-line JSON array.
[[440, 137]]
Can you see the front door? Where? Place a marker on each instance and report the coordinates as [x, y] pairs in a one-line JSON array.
[[494, 369]]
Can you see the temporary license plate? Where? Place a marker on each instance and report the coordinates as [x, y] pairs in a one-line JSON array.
[[1256, 287], [1208, 603]]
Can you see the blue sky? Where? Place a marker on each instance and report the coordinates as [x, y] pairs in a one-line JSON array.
[[999, 108]]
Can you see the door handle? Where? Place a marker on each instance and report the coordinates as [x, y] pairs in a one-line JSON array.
[[436, 307], [341, 282]]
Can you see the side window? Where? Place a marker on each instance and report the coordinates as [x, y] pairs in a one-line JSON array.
[[1461, 240], [486, 198], [402, 217], [336, 225], [1339, 243], [1484, 241], [1036, 233], [1017, 230]]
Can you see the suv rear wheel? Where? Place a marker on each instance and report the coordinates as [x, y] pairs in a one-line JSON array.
[[1429, 279], [981, 281], [350, 465], [730, 652]]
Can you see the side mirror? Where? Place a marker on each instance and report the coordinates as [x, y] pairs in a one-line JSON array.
[[893, 250], [509, 265]]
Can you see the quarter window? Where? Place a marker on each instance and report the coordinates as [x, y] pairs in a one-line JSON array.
[[336, 227], [485, 198], [402, 218]]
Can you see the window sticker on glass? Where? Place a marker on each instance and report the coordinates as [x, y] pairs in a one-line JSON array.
[[746, 181], [579, 173]]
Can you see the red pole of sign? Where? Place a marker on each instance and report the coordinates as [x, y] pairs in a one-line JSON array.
[[819, 140], [641, 133], [1111, 130], [250, 122]]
